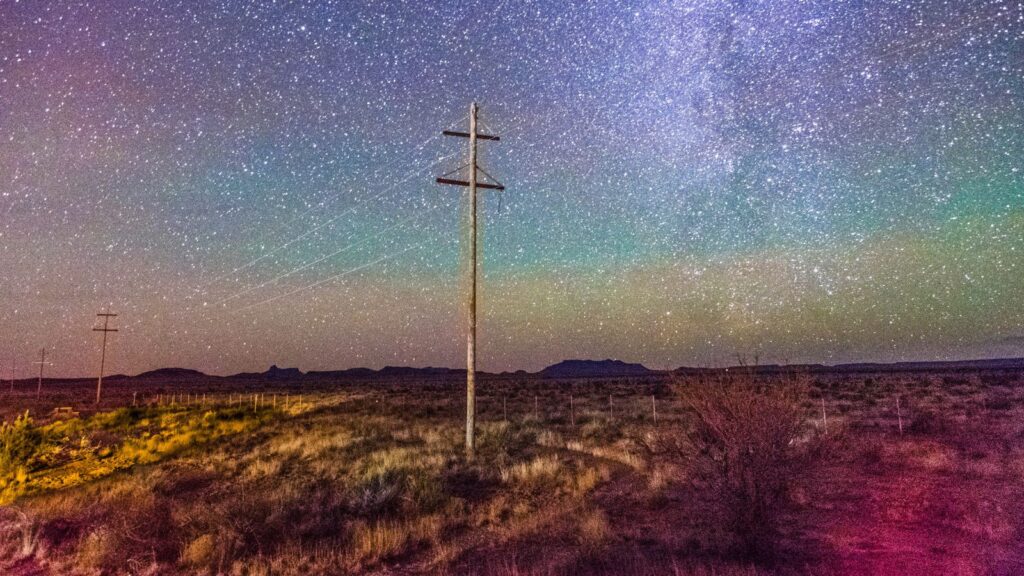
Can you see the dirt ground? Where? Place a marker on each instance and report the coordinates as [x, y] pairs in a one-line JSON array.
[[371, 479]]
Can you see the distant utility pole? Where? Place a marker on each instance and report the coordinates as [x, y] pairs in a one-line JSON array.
[[473, 184], [42, 362], [103, 350]]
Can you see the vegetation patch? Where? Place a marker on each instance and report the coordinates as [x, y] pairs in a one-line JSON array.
[[65, 453]]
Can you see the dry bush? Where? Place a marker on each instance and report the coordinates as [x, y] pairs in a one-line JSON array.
[[930, 422], [540, 475], [747, 447]]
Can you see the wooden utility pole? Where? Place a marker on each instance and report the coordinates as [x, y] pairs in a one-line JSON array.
[[42, 362], [103, 350], [473, 184]]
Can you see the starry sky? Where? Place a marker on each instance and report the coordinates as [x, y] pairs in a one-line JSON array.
[[688, 182]]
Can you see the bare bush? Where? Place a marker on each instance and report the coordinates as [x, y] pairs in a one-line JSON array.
[[746, 448]]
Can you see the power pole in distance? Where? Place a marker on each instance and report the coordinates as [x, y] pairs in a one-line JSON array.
[[42, 362], [473, 184], [103, 350]]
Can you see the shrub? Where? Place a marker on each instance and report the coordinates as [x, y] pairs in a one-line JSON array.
[[540, 475], [999, 402], [746, 447], [929, 422], [19, 443]]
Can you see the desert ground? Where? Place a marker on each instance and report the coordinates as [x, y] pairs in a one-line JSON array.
[[720, 473]]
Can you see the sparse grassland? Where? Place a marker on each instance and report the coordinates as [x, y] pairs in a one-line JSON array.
[[735, 478], [65, 453]]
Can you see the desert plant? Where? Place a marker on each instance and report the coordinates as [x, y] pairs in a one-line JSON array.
[[929, 422], [746, 447], [19, 442]]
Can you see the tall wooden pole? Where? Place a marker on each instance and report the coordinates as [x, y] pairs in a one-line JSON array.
[[42, 362], [473, 184], [103, 350], [471, 314]]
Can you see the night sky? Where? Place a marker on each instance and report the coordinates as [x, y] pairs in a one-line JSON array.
[[687, 182]]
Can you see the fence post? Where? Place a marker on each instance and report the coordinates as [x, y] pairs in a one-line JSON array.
[[654, 409], [572, 411], [899, 414]]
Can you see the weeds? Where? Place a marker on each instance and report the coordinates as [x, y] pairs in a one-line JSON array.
[[20, 442], [747, 447], [380, 484], [68, 453]]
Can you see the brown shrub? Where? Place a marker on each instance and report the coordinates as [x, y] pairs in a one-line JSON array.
[[929, 422], [747, 447]]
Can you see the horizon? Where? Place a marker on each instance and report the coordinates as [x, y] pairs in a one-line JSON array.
[[811, 183], [518, 370]]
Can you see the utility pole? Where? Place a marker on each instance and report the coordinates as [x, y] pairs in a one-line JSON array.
[[103, 350], [473, 184], [42, 362]]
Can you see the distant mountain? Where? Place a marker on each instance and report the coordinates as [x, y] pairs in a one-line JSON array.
[[347, 373], [954, 365], [387, 371], [170, 373], [594, 369], [583, 369], [428, 371], [857, 367], [273, 373]]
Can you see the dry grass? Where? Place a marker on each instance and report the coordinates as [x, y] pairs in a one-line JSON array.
[[374, 480]]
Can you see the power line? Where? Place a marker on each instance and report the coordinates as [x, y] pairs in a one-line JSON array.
[[321, 204], [332, 278], [327, 257], [319, 226]]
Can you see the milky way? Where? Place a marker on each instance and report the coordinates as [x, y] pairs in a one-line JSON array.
[[687, 182]]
